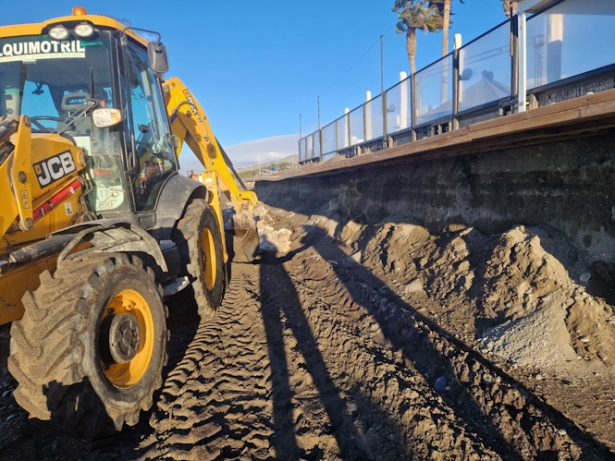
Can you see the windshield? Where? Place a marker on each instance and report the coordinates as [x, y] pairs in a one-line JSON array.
[[57, 84], [41, 77]]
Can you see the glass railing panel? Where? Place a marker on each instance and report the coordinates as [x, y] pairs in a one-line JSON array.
[[434, 91], [302, 149], [569, 39], [356, 126], [373, 118], [310, 146], [317, 144], [328, 138], [485, 69], [398, 107], [342, 132]]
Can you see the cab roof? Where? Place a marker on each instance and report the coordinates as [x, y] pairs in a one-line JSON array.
[[79, 15]]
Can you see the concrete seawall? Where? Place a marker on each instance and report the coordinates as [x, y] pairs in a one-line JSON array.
[[568, 186]]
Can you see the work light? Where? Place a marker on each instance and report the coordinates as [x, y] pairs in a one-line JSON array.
[[59, 32], [84, 30]]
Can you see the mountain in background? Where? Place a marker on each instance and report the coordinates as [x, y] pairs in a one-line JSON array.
[[293, 159], [266, 151]]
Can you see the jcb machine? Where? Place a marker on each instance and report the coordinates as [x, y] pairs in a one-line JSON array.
[[97, 227]]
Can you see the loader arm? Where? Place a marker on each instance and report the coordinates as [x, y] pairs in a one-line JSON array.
[[190, 125]]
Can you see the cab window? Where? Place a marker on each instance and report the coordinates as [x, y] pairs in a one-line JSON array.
[[155, 156]]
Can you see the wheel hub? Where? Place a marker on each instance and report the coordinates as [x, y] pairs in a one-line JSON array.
[[124, 337]]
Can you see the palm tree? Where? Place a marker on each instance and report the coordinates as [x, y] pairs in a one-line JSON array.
[[414, 15], [510, 7], [444, 9], [446, 23]]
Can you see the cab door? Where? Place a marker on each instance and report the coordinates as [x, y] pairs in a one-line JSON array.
[[152, 152]]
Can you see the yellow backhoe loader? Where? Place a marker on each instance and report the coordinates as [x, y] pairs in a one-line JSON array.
[[97, 226]]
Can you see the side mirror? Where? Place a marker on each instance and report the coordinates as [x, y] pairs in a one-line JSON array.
[[158, 57], [104, 118], [174, 141]]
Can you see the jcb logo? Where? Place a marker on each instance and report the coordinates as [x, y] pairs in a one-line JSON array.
[[50, 170], [191, 103]]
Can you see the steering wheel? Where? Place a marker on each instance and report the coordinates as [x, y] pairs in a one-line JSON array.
[[40, 127]]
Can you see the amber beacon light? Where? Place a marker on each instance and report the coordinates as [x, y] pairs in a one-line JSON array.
[[79, 11]]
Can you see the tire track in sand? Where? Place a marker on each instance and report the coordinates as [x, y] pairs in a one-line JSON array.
[[215, 403], [389, 411]]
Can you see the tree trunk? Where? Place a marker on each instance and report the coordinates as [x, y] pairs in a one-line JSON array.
[[411, 48], [507, 5], [446, 21]]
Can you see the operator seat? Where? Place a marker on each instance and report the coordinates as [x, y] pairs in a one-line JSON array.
[[71, 102]]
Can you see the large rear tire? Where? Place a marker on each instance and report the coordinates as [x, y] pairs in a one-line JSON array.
[[89, 350], [200, 246]]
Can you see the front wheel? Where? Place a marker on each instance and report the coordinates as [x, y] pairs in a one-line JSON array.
[[198, 238], [89, 350]]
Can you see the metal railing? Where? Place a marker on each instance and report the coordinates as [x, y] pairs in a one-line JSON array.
[[525, 62]]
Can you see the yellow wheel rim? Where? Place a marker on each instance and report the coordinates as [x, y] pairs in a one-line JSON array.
[[127, 374], [208, 253]]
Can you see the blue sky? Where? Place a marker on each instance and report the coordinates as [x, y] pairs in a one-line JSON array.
[[257, 66]]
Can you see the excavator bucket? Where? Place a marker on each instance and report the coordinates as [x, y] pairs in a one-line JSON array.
[[245, 241]]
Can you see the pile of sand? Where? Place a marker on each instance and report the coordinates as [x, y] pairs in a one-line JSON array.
[[527, 308], [517, 286]]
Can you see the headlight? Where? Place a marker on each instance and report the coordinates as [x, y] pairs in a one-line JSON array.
[[84, 30], [59, 32]]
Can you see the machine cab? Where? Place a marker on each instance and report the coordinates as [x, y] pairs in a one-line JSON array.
[[89, 79]]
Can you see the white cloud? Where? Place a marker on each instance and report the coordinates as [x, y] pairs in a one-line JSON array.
[[250, 153]]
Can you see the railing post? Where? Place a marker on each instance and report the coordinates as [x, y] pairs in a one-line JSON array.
[[385, 114], [367, 117], [348, 128], [383, 101], [456, 86], [522, 76], [514, 55], [413, 105], [403, 101]]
